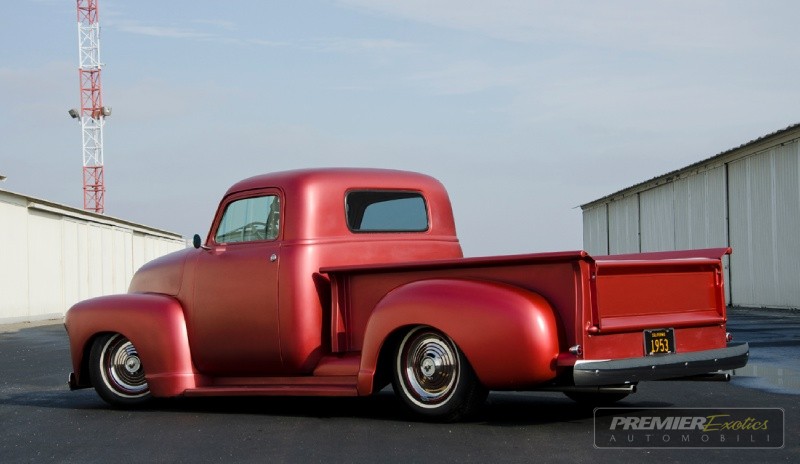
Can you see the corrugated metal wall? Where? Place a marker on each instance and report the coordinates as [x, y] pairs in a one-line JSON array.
[[750, 203], [595, 229], [51, 259], [623, 225], [764, 228], [700, 210], [657, 216]]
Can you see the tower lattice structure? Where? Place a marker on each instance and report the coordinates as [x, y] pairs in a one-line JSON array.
[[92, 112]]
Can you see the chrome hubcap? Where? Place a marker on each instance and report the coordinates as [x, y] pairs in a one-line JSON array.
[[122, 368], [133, 364], [429, 367]]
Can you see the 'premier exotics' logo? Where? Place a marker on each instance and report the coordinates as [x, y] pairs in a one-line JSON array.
[[689, 428]]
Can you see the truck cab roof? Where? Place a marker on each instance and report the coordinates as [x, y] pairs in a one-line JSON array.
[[315, 200]]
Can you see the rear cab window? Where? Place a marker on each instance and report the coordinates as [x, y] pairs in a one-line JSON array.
[[374, 211]]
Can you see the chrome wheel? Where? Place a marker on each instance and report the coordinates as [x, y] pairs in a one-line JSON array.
[[434, 379], [117, 372], [429, 367]]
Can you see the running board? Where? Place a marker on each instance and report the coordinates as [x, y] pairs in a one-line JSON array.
[[275, 390], [345, 385]]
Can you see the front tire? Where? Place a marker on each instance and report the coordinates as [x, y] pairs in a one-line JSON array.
[[117, 373], [433, 377]]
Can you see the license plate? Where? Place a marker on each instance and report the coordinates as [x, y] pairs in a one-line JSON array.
[[659, 341]]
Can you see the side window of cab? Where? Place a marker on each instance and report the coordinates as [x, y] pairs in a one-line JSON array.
[[250, 220]]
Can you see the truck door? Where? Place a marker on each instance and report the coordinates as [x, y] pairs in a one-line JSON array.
[[233, 318]]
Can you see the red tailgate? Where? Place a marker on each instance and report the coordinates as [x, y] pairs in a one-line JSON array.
[[682, 291]]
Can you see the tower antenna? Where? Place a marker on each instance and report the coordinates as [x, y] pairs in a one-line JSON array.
[[92, 113]]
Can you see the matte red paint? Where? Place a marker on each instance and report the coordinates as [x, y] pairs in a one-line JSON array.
[[310, 313], [155, 324], [509, 335]]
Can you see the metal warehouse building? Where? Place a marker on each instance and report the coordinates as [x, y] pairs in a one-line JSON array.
[[747, 198], [54, 255]]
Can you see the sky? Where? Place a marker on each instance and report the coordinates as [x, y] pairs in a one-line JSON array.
[[524, 109]]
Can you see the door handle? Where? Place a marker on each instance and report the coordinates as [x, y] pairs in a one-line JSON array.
[[273, 258]]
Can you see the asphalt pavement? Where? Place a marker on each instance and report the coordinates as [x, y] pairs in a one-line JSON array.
[[774, 338], [42, 421]]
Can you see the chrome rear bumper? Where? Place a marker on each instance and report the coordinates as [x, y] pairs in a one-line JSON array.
[[633, 370]]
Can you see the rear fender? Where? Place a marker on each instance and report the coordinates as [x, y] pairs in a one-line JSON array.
[[509, 335], [156, 326]]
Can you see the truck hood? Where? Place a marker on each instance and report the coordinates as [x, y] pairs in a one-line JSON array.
[[162, 275]]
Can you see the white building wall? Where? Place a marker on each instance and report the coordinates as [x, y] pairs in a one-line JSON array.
[[657, 217], [14, 263], [623, 225], [595, 229], [700, 210], [54, 256], [765, 219]]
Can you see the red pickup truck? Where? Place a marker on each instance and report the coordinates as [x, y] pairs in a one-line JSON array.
[[342, 281]]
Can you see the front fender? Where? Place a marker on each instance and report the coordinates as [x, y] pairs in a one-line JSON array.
[[156, 326], [508, 334]]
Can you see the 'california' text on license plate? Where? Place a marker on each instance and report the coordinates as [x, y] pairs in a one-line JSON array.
[[659, 341]]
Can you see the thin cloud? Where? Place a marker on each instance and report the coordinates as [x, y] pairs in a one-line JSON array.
[[347, 45], [338, 45], [467, 77], [683, 26], [325, 45], [268, 43], [162, 31], [217, 23]]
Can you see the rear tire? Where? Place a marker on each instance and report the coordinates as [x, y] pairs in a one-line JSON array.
[[117, 373], [433, 377]]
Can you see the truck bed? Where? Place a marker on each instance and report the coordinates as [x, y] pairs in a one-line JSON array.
[[602, 304]]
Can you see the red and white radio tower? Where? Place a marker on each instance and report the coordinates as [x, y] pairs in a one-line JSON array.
[[92, 112]]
